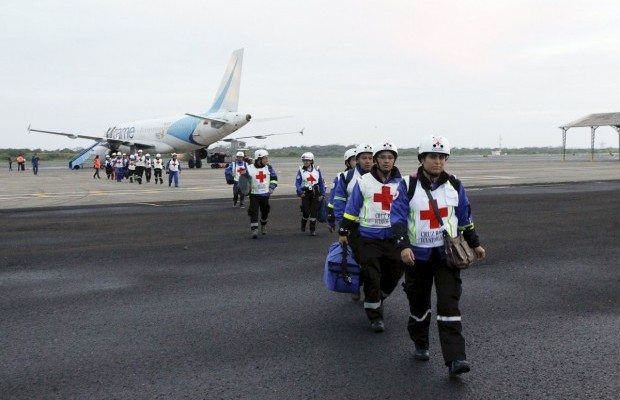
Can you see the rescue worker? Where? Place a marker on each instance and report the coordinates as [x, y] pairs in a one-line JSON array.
[[148, 167], [140, 164], [349, 163], [234, 171], [158, 167], [97, 167], [108, 166], [131, 167], [419, 238], [125, 166], [118, 165], [344, 188], [310, 186], [173, 169], [370, 203], [263, 181]]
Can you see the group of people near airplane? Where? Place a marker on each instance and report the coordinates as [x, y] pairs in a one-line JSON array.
[[138, 167], [393, 228]]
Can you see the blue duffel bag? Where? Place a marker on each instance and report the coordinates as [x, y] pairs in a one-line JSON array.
[[342, 272]]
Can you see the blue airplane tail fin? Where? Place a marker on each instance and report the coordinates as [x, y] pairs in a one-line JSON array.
[[227, 97]]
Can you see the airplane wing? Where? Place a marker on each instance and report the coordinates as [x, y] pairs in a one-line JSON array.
[[301, 132], [114, 143], [71, 135]]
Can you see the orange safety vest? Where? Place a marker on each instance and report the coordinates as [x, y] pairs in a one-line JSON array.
[[97, 163], [20, 159]]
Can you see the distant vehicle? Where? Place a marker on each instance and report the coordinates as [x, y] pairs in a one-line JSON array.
[[190, 133]]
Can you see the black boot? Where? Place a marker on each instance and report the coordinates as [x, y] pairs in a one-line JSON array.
[[303, 224]]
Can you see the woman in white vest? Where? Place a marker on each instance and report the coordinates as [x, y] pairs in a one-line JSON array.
[[419, 238], [158, 167], [173, 169], [310, 186], [369, 205], [263, 181]]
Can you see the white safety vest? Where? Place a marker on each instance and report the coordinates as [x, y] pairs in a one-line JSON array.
[[238, 169], [259, 177], [378, 197], [147, 163], [118, 163], [140, 161], [309, 178], [158, 163], [426, 231], [356, 176], [174, 165], [132, 165]]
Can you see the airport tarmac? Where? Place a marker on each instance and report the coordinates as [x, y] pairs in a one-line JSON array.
[[57, 186], [176, 301]]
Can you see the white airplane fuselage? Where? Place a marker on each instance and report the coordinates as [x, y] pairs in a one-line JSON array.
[[181, 134]]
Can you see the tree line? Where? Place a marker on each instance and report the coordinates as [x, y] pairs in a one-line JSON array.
[[319, 151]]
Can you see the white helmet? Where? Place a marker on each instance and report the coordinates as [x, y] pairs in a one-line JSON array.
[[132, 157], [260, 153], [385, 146], [113, 154], [124, 154], [107, 156], [349, 153], [240, 154], [434, 144], [363, 148], [307, 156], [174, 154], [147, 155], [139, 151], [158, 155]]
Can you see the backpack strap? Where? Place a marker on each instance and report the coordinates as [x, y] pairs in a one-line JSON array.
[[413, 182]]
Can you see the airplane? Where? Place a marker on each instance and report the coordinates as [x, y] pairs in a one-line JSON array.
[[189, 133]]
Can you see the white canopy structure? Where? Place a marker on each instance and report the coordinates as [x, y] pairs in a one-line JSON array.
[[593, 121]]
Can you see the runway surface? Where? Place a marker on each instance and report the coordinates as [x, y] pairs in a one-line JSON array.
[[174, 300]]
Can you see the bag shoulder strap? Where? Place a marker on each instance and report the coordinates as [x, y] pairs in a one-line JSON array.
[[435, 210], [413, 182]]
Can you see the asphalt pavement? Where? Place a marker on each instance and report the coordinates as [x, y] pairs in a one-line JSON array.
[[172, 299]]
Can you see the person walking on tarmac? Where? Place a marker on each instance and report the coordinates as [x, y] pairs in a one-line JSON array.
[[370, 203], [140, 164], [173, 169], [420, 242], [234, 171], [34, 161], [344, 189], [148, 167], [349, 163], [108, 166], [131, 167], [158, 167], [263, 181], [310, 186], [21, 163], [96, 167], [119, 166]]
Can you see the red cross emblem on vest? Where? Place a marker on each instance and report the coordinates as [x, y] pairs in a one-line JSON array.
[[240, 170], [385, 198], [430, 214], [261, 176], [311, 179]]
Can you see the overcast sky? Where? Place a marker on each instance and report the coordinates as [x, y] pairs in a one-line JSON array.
[[347, 71]]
